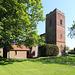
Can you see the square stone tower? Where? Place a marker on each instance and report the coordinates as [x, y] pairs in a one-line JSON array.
[[55, 29]]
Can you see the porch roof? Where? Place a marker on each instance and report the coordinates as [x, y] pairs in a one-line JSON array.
[[21, 47]]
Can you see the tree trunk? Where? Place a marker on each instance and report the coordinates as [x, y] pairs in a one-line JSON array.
[[4, 52], [30, 52]]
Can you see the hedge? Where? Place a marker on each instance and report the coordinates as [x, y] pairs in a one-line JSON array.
[[71, 52], [48, 50]]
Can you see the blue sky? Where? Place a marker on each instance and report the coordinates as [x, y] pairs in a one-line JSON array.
[[67, 7]]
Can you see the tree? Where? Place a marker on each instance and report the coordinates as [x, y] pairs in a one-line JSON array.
[[72, 30], [67, 48], [18, 22], [74, 49]]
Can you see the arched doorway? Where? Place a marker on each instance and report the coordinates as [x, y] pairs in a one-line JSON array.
[[61, 49]]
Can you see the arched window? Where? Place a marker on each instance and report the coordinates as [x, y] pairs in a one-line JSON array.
[[61, 48], [60, 22], [60, 36]]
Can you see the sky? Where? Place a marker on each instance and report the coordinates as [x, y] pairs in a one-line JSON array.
[[65, 6]]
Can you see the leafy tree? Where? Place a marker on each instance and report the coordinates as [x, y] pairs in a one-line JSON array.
[[72, 30], [18, 22]]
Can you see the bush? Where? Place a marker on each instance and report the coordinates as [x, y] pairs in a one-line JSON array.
[[42, 50], [48, 50], [71, 52]]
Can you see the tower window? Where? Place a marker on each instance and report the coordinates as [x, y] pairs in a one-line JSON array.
[[60, 36], [60, 22], [50, 22]]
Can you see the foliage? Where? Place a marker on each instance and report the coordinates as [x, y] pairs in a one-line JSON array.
[[42, 51], [67, 48], [74, 49], [0, 54], [71, 52], [18, 22], [72, 31], [48, 50]]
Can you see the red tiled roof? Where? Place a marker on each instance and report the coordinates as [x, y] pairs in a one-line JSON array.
[[15, 47]]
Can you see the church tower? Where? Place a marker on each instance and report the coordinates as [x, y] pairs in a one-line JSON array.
[[55, 29]]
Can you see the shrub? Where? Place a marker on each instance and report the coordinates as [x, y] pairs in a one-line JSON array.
[[48, 50], [67, 48], [71, 52], [42, 50]]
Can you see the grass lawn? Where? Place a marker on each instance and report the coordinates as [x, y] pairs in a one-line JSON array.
[[0, 54], [40, 66]]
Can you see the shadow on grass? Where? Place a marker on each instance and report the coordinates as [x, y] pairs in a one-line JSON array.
[[57, 60], [45, 60], [4, 61]]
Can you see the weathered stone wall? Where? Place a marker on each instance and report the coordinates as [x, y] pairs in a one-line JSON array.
[[51, 29], [17, 54], [60, 31], [34, 52]]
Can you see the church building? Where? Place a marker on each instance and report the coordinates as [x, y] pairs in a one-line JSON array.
[[55, 29]]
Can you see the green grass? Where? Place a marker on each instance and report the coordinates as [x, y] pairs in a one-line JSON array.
[[1, 55], [40, 66]]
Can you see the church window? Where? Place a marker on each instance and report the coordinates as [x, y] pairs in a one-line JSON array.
[[60, 22], [50, 22], [60, 36]]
